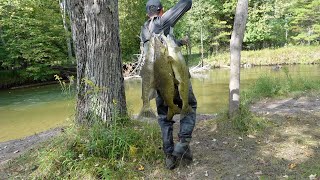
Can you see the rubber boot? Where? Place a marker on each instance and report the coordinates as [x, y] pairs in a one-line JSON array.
[[171, 161], [182, 150]]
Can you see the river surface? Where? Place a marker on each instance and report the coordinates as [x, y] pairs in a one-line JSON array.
[[27, 111]]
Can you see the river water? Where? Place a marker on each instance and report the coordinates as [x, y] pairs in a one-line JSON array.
[[24, 112]]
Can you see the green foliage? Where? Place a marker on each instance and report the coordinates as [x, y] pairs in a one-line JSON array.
[[214, 17], [274, 23], [66, 88], [132, 15], [268, 86], [305, 21], [9, 77], [247, 122], [116, 151], [34, 37]]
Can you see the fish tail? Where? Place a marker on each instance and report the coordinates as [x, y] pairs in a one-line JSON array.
[[146, 112]]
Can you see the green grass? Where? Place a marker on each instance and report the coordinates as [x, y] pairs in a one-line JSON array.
[[285, 55], [269, 87], [120, 151]]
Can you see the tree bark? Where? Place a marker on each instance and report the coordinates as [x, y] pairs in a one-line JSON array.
[[202, 56], [189, 47], [100, 84], [235, 52]]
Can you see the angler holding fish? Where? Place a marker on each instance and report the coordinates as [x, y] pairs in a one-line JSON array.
[[170, 80]]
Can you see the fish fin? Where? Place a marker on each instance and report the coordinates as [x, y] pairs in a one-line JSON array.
[[152, 94], [172, 112]]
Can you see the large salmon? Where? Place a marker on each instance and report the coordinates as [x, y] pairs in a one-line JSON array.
[[164, 77], [163, 70], [180, 71], [146, 73]]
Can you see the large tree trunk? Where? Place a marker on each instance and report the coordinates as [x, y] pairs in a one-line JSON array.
[[100, 86], [235, 51]]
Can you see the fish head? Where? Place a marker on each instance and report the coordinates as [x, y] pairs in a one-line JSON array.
[[160, 46], [173, 48]]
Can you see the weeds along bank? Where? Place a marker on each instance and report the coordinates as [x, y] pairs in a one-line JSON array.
[[123, 150], [266, 57], [270, 87]]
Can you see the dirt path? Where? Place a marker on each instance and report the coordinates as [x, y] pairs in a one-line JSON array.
[[15, 148], [288, 149]]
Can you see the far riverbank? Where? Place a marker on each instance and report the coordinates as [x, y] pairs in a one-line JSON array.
[[266, 57], [290, 55]]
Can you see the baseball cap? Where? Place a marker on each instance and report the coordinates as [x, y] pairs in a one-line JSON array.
[[153, 7]]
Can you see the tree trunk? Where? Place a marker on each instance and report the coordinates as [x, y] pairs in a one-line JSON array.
[[63, 7], [235, 52], [100, 86], [189, 47], [202, 47]]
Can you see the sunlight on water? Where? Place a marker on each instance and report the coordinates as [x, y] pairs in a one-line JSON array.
[[28, 111]]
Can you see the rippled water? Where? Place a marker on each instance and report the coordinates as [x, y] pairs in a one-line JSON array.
[[28, 111]]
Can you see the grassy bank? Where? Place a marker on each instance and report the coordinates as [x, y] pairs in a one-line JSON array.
[[270, 87], [130, 149], [124, 150], [285, 55]]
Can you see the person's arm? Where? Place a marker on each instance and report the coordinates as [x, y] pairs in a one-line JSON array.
[[171, 17]]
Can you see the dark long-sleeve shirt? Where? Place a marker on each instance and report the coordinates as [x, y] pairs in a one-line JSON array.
[[164, 22]]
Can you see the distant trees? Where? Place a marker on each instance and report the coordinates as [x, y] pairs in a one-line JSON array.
[[32, 38], [132, 14], [304, 21], [100, 86], [276, 23], [271, 23]]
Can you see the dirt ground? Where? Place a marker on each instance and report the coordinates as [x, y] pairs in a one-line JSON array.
[[15, 148], [289, 148]]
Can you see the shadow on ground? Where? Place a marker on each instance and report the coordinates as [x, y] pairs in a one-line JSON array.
[[288, 149]]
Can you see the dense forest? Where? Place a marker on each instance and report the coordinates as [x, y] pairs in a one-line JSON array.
[[35, 37]]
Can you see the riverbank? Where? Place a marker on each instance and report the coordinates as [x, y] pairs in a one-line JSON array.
[[273, 138], [20, 158], [288, 148], [15, 148], [290, 55], [266, 57]]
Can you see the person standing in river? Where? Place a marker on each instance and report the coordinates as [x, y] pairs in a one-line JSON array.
[[158, 22]]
